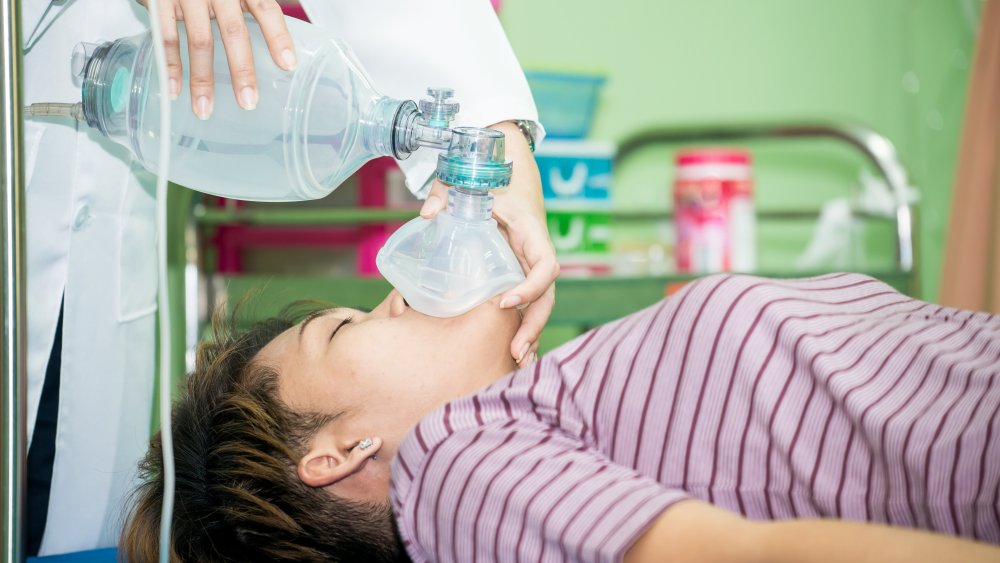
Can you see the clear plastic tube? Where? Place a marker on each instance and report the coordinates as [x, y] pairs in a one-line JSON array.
[[54, 109], [163, 297]]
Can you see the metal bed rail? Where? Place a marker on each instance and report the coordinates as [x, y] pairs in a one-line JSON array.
[[13, 441], [874, 146]]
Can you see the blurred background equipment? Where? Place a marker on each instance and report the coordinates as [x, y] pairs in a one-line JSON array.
[[713, 212], [575, 172], [576, 182], [566, 101]]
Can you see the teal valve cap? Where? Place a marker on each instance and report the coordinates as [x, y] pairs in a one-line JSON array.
[[475, 159]]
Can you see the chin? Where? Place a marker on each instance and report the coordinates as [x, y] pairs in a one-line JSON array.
[[496, 324]]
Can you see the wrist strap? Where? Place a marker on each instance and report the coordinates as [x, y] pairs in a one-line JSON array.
[[528, 129]]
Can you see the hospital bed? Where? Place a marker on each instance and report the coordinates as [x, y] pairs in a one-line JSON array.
[[197, 289]]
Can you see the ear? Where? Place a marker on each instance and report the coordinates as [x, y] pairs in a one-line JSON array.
[[326, 463]]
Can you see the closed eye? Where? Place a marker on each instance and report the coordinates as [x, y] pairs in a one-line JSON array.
[[339, 325]]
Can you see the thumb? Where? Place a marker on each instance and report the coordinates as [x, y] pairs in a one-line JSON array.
[[436, 200]]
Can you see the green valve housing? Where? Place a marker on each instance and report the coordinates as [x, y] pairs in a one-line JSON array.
[[475, 160]]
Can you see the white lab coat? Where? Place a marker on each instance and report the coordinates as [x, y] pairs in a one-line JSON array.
[[90, 234], [90, 223], [407, 46]]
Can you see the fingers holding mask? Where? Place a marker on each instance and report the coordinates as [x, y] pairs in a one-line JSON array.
[[437, 200], [536, 254], [542, 271], [538, 290], [533, 320]]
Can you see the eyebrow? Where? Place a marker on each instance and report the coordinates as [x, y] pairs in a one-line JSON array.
[[323, 312], [312, 316]]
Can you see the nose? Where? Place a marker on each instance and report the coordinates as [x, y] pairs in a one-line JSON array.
[[395, 304]]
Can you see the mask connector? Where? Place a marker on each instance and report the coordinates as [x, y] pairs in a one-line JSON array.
[[426, 124]]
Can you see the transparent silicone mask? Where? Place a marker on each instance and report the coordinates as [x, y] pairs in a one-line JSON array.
[[458, 260]]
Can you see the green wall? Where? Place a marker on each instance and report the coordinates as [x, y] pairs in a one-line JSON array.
[[899, 67]]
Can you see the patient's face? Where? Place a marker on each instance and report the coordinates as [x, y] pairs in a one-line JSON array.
[[382, 371]]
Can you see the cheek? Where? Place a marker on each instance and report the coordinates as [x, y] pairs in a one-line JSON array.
[[379, 357]]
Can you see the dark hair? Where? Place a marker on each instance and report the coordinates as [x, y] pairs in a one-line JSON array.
[[236, 445]]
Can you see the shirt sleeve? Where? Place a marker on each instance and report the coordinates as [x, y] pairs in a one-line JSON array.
[[525, 492], [407, 46]]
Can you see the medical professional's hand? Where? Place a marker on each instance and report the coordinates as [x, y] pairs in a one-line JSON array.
[[197, 16], [520, 212]]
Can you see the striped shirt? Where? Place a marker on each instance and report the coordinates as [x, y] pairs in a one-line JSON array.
[[825, 397]]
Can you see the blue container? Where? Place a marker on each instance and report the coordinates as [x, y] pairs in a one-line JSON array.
[[565, 101], [576, 175]]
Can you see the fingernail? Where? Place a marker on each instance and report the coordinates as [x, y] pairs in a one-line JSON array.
[[432, 205], [524, 351], [248, 97], [510, 301], [204, 108], [288, 57], [175, 88]]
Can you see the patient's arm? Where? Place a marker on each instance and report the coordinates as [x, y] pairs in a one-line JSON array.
[[696, 531]]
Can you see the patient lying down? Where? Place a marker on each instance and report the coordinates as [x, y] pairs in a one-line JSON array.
[[744, 419]]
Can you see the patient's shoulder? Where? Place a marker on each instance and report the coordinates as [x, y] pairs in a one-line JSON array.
[[729, 286], [708, 305], [751, 296]]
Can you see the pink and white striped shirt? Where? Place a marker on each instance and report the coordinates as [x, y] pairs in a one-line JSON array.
[[826, 397]]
